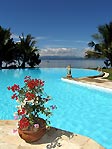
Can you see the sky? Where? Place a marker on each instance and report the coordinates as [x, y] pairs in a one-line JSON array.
[[61, 27]]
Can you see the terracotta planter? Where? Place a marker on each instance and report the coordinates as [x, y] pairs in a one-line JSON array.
[[32, 136]]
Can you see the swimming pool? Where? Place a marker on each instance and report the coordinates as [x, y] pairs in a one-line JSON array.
[[81, 109]]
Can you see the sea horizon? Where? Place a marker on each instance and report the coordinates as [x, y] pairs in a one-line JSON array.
[[74, 62]]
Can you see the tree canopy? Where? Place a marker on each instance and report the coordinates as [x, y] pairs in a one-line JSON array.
[[102, 48], [18, 54]]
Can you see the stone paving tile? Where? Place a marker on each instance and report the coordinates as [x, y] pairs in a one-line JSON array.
[[54, 138]]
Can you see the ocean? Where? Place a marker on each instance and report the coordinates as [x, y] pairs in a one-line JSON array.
[[75, 63]]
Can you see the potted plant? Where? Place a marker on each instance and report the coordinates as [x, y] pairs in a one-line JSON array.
[[32, 103]]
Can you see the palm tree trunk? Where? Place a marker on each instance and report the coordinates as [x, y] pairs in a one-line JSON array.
[[0, 63], [23, 64]]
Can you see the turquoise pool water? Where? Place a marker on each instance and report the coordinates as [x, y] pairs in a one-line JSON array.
[[83, 110]]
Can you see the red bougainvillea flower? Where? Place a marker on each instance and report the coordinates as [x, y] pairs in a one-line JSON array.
[[34, 83], [22, 111], [31, 84], [14, 96], [9, 88], [14, 88], [24, 123], [30, 96]]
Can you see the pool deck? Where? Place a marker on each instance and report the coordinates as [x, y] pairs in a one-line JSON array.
[[94, 80], [54, 138]]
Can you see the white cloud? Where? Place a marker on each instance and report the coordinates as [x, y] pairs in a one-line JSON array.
[[15, 36], [89, 48], [62, 52]]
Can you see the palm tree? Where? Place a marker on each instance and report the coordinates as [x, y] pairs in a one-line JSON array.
[[27, 51], [34, 59], [104, 46], [20, 53], [9, 52], [4, 37]]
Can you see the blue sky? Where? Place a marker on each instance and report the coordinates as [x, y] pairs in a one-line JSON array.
[[58, 25]]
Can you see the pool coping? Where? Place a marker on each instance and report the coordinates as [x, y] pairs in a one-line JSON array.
[[98, 82], [54, 138]]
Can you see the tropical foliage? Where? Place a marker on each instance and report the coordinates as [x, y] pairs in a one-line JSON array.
[[18, 54], [4, 43], [103, 47]]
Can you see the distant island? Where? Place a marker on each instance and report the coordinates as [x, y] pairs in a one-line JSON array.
[[63, 58]]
